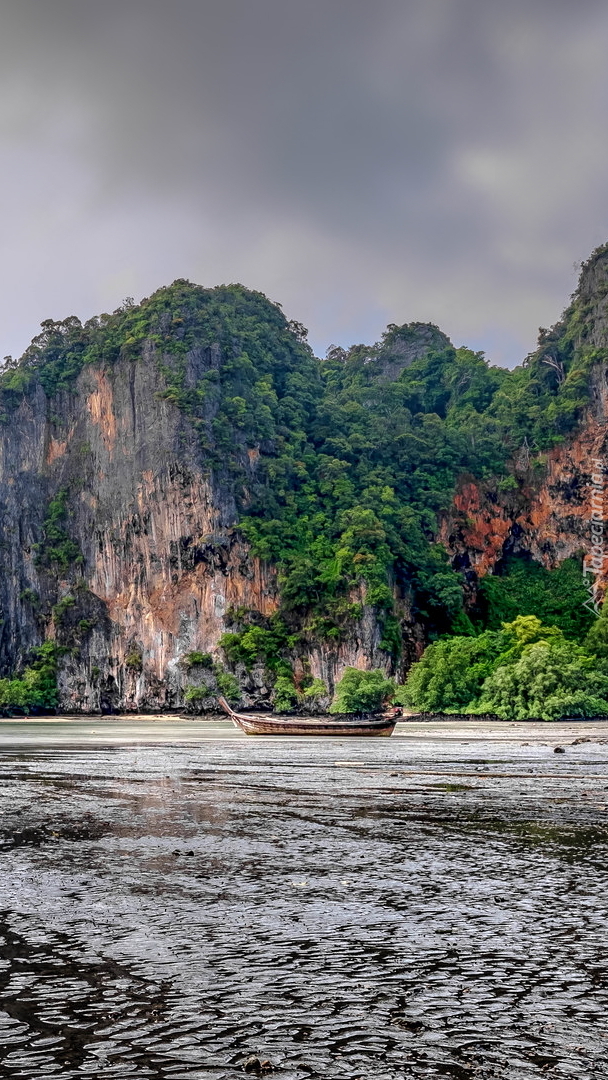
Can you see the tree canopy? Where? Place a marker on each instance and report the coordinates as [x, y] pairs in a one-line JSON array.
[[361, 691], [524, 671]]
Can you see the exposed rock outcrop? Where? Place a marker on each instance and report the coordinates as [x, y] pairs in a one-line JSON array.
[[161, 562], [120, 535], [551, 515]]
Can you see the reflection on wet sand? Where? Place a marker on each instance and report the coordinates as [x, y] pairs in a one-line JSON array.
[[179, 901]]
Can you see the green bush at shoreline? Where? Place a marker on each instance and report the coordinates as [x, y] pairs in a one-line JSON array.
[[361, 692], [36, 689], [524, 671]]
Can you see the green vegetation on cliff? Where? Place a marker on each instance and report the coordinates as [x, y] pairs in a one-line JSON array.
[[340, 469], [57, 551], [523, 587]]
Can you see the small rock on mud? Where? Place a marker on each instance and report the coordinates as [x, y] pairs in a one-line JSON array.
[[254, 1065]]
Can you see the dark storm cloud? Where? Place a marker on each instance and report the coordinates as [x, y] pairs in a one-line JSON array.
[[359, 161]]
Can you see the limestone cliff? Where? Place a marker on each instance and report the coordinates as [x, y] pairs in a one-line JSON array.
[[161, 562], [125, 479], [155, 564], [550, 514]]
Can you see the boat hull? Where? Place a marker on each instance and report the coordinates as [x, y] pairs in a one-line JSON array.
[[273, 725]]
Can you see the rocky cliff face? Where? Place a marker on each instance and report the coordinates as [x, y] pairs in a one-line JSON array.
[[120, 537], [550, 516], [160, 562], [158, 565]]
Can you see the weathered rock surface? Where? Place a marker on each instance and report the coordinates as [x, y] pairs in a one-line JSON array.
[[162, 563], [550, 516]]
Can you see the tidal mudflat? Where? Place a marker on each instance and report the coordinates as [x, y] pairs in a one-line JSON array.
[[179, 901]]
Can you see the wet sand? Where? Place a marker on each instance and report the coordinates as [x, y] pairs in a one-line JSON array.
[[176, 897]]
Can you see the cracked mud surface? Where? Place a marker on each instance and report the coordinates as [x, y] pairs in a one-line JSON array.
[[433, 905]]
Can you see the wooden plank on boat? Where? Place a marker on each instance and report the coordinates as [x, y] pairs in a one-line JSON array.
[[364, 727]]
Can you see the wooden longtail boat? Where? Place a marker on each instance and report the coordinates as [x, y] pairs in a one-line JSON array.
[[297, 725]]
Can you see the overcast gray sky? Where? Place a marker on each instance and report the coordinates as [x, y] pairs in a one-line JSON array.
[[361, 161]]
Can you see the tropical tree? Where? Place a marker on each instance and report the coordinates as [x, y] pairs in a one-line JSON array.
[[451, 672], [547, 682], [361, 691]]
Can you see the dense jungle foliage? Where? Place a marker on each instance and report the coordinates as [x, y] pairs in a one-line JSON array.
[[340, 467], [361, 692], [524, 671], [36, 689]]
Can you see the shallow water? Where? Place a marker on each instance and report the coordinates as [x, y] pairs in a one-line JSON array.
[[175, 897]]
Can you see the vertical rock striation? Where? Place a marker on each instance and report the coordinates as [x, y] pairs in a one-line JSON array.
[[119, 512], [161, 561], [550, 516]]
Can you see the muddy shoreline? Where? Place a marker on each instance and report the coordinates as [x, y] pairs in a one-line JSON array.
[[177, 898]]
